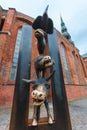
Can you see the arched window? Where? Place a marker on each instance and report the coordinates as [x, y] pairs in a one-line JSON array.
[[66, 68], [79, 70], [16, 54], [75, 65]]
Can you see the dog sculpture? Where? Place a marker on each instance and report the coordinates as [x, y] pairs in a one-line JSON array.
[[41, 63], [40, 96]]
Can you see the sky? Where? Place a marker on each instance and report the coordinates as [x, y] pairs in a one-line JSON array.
[[73, 12]]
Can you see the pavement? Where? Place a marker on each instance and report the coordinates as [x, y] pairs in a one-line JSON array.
[[77, 109], [78, 114]]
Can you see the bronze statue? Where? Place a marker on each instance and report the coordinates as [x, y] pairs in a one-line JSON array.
[[40, 96], [43, 25]]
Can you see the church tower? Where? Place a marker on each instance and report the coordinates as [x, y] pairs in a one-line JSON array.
[[64, 31]]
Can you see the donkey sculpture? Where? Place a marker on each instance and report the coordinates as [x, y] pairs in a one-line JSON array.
[[40, 96]]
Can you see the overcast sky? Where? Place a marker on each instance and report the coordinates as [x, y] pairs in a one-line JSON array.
[[73, 12]]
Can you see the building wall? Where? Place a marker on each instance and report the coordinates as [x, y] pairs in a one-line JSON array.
[[85, 62], [12, 21], [85, 66]]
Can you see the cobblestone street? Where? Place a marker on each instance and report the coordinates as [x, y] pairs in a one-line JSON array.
[[78, 114]]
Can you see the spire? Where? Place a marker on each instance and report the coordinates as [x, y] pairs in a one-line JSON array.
[[64, 31], [63, 27]]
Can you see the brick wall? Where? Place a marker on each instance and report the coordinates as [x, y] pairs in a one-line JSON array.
[[6, 95], [85, 61], [76, 91]]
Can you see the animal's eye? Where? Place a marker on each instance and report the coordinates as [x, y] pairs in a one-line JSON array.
[[40, 95], [33, 93]]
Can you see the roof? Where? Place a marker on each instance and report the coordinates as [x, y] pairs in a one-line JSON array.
[[84, 55]]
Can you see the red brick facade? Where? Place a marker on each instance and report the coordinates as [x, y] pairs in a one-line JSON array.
[[11, 21]]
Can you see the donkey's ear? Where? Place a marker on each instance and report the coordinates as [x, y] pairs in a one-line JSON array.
[[29, 81], [47, 79]]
